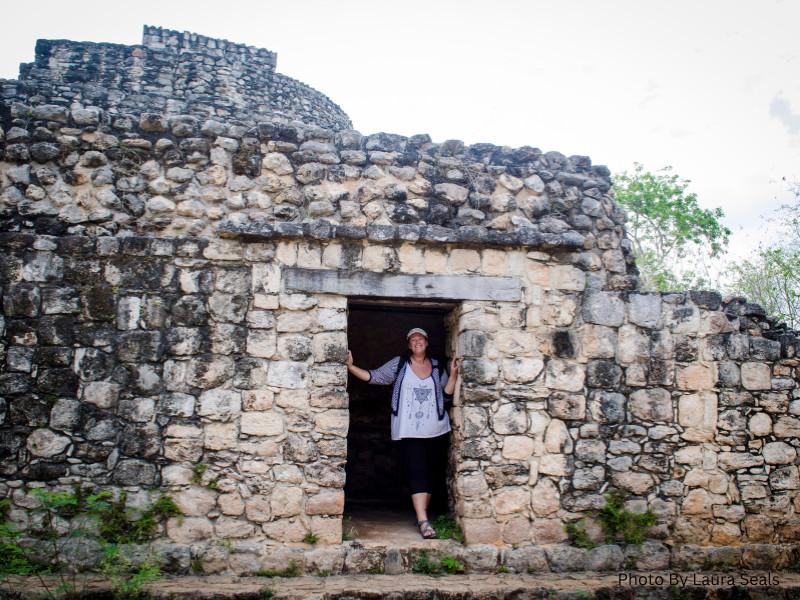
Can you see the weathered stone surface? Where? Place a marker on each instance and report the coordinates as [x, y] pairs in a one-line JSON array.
[[651, 404]]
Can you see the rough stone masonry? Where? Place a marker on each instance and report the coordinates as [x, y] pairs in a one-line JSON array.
[[181, 230]]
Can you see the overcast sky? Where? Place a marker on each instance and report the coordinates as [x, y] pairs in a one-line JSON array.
[[709, 87]]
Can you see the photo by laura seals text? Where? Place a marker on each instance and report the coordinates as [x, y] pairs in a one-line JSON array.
[[699, 579]]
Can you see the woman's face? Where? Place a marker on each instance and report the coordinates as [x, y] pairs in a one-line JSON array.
[[417, 343]]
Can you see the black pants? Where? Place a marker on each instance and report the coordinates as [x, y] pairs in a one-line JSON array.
[[423, 458]]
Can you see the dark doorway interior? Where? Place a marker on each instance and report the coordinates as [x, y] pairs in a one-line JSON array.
[[376, 479]]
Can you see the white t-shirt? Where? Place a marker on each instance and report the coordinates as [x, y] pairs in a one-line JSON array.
[[416, 412]]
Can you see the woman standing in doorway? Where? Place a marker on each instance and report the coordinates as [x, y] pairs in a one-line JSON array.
[[419, 422]]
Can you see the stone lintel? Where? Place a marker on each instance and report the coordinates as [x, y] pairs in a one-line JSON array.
[[388, 234], [393, 285]]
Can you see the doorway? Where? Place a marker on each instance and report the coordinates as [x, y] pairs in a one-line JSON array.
[[377, 498]]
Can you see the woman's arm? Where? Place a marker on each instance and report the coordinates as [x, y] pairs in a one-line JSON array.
[[360, 373], [450, 386]]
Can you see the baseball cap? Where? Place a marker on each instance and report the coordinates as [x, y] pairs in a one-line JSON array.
[[416, 330]]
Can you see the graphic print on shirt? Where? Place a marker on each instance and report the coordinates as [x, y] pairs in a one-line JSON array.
[[421, 404]]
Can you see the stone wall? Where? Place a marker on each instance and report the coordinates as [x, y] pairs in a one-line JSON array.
[[129, 357]]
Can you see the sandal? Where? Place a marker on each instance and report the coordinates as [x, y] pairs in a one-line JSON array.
[[426, 530]]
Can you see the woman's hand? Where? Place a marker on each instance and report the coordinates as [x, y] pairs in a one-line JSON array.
[[360, 373], [454, 366]]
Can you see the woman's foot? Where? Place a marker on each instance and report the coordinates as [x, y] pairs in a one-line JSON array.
[[426, 530]]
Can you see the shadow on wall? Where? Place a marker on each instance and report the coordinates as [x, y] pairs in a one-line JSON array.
[[375, 336]]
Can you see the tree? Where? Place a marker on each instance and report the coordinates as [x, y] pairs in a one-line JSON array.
[[771, 275], [673, 238]]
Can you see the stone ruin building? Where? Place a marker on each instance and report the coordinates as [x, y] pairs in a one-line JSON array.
[[192, 241]]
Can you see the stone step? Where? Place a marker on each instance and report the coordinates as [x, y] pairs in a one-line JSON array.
[[546, 586]]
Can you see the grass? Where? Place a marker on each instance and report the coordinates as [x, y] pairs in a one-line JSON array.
[[578, 535], [293, 570], [349, 532], [432, 563], [310, 538], [267, 592], [447, 528]]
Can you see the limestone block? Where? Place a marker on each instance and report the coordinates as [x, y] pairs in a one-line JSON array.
[[651, 404], [786, 478], [787, 427], [603, 308], [478, 321], [778, 453], [463, 261], [294, 322], [287, 473], [733, 461], [284, 530], [635, 483], [329, 399], [330, 347], [45, 443], [259, 448], [329, 531], [261, 423], [479, 371], [566, 559], [548, 531], [644, 309], [333, 422], [774, 402], [510, 419], [219, 404], [517, 530], [288, 374], [258, 400], [557, 439], [196, 501], [569, 407], [231, 504], [286, 501], [474, 421], [760, 424], [328, 375], [325, 503], [537, 273], [473, 484], [181, 450], [684, 319], [756, 376], [518, 447], [599, 341], [511, 500], [261, 343], [101, 394], [228, 527], [296, 399], [590, 450], [726, 534], [695, 377], [698, 413], [563, 375], [606, 407], [759, 528], [332, 319], [697, 503], [493, 262], [514, 342], [189, 530], [209, 371], [557, 465], [522, 370], [567, 278], [221, 436], [258, 508], [632, 347], [177, 474], [481, 531]]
